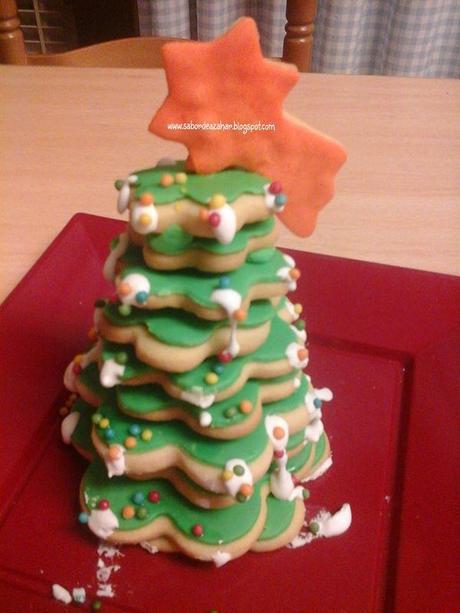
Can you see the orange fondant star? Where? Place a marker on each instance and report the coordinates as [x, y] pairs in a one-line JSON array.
[[228, 81]]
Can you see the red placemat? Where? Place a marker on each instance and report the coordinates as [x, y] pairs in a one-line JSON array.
[[385, 340]]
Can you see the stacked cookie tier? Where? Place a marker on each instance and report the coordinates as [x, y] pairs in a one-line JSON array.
[[193, 406]]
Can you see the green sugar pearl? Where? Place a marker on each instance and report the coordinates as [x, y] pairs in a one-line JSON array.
[[313, 526], [124, 309], [230, 412]]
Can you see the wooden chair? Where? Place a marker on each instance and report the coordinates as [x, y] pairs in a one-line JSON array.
[[144, 52]]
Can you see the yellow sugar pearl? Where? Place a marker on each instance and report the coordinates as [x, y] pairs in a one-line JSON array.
[[78, 358], [298, 308], [63, 411], [180, 178], [211, 378], [179, 206], [227, 475], [166, 180], [128, 512], [104, 423], [130, 442], [145, 219], [217, 201], [146, 435]]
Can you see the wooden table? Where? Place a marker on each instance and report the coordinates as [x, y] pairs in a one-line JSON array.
[[67, 133]]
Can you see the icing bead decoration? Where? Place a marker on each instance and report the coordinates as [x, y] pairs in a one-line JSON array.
[[294, 273], [296, 355], [197, 530], [77, 368], [218, 369], [235, 474], [211, 378], [246, 490], [146, 435], [96, 418], [278, 453], [275, 188], [115, 461], [238, 470], [104, 423], [300, 324], [217, 201], [114, 452], [102, 522], [313, 526], [245, 407], [154, 496], [128, 512], [166, 180], [306, 493], [115, 254], [280, 201], [141, 297], [109, 435], [317, 403], [227, 475], [224, 357], [180, 178], [96, 605], [103, 504], [134, 429], [63, 411], [141, 513], [143, 217], [230, 412], [302, 354], [83, 517], [124, 309], [214, 220], [146, 199], [125, 193], [224, 282], [130, 442], [121, 357], [240, 315], [298, 308], [133, 289], [205, 419], [92, 334]]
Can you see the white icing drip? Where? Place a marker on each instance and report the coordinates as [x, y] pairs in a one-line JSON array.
[[323, 394], [225, 231], [292, 355], [148, 547], [103, 572], [102, 522], [205, 419], [281, 483], [70, 378], [297, 381], [116, 253], [68, 426], [233, 347], [301, 334], [61, 594], [197, 397], [125, 193], [92, 355], [116, 466], [269, 198], [275, 421], [314, 430], [111, 373], [291, 310], [137, 283], [165, 161], [220, 558], [289, 260], [79, 594], [334, 525], [325, 466], [230, 300], [233, 485], [135, 213], [105, 590], [283, 274]]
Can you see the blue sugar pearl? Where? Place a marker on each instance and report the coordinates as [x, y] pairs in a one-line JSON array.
[[317, 403], [138, 498], [134, 429], [218, 369], [141, 297], [109, 434], [280, 200], [224, 282], [83, 518]]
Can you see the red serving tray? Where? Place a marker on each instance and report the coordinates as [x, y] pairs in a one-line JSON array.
[[385, 339]]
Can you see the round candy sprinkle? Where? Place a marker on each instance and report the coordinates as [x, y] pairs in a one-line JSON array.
[[238, 470], [302, 354], [211, 378], [146, 198], [103, 504], [130, 442], [109, 434], [224, 282], [63, 411], [128, 511], [141, 513], [92, 334], [124, 288], [96, 418], [224, 357], [313, 526], [114, 452], [294, 273], [218, 369], [96, 605], [124, 309], [154, 496], [245, 406], [214, 219], [142, 297], [121, 357], [138, 497], [246, 489], [166, 180], [144, 219], [239, 315], [76, 369], [197, 530], [278, 453], [306, 493], [146, 435], [217, 201], [134, 429], [275, 187], [280, 200], [317, 403], [227, 475], [241, 497], [78, 358], [278, 432], [100, 303], [300, 324], [298, 308], [180, 177], [83, 518], [104, 423], [230, 412], [204, 215]]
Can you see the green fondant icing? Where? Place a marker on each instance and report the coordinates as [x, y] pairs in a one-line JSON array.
[[175, 240], [261, 255], [279, 517], [81, 435], [285, 405], [198, 286], [232, 183]]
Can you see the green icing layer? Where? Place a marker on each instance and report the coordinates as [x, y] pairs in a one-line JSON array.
[[198, 286], [174, 240], [279, 517], [232, 183], [179, 328]]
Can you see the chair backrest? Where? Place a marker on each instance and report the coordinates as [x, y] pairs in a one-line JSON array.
[[144, 52]]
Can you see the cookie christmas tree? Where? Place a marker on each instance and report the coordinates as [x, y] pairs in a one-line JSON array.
[[192, 405]]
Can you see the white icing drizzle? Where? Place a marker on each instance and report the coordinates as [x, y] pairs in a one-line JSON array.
[[137, 283], [292, 355], [220, 558], [225, 231], [153, 549], [323, 394], [125, 193], [289, 260], [291, 310], [281, 483], [205, 419], [61, 594], [230, 300], [269, 198], [102, 522], [197, 397], [116, 253], [328, 525], [322, 468], [314, 430], [79, 594], [233, 485], [111, 373], [135, 213], [116, 466], [68, 426]]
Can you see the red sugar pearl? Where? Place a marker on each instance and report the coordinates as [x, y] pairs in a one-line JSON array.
[[154, 496], [197, 530], [103, 504], [76, 368], [275, 187], [214, 219], [279, 453], [224, 357]]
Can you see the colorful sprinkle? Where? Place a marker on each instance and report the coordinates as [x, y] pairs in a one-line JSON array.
[[227, 475], [83, 517], [96, 605], [96, 418], [128, 511], [217, 201], [238, 470], [138, 498], [103, 504], [246, 489], [278, 433], [278, 453], [124, 289], [245, 406], [275, 187], [224, 357], [76, 369], [130, 442], [218, 369], [313, 526], [180, 177], [239, 315], [121, 357], [280, 200], [230, 412], [146, 199], [317, 402], [224, 282], [104, 423], [146, 435], [241, 497], [197, 530], [298, 308], [294, 273], [306, 493], [214, 219], [144, 219], [92, 334], [211, 378], [114, 452], [302, 354], [134, 429], [109, 434], [141, 513], [124, 309], [166, 180], [63, 411], [154, 496], [300, 324]]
